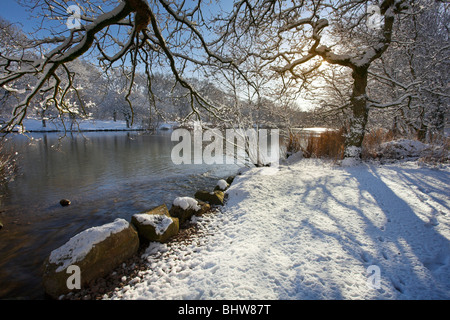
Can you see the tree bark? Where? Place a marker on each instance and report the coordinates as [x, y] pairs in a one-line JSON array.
[[360, 114]]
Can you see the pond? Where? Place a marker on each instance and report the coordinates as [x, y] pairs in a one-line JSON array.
[[105, 175]]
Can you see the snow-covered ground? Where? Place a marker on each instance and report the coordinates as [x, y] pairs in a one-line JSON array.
[[313, 230], [35, 125]]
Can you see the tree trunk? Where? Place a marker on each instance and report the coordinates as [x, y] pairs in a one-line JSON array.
[[395, 130], [423, 128], [360, 113], [422, 132]]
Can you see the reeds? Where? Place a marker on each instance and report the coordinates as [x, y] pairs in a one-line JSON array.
[[331, 143], [372, 141]]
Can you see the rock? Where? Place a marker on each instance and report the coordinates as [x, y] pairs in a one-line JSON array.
[[185, 208], [214, 198], [222, 185], [230, 179], [96, 252], [65, 202], [205, 207], [156, 225], [1, 225]]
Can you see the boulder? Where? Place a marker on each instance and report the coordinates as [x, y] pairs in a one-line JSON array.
[[96, 252], [184, 208], [214, 198], [156, 225], [65, 202]]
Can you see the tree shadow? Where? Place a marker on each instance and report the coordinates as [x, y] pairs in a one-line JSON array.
[[387, 232], [409, 247]]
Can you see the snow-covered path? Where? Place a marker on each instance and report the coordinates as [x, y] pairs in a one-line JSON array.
[[311, 231]]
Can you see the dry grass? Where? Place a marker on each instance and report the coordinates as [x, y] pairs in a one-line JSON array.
[[329, 144], [439, 153], [373, 139]]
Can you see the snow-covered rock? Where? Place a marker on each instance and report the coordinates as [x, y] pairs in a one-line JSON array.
[[213, 198], [156, 225], [159, 223], [185, 207], [96, 251], [186, 203], [222, 185]]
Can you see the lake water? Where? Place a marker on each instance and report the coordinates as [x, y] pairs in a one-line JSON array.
[[105, 175]]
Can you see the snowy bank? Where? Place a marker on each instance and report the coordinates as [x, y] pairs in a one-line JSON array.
[[312, 230], [35, 125], [412, 150]]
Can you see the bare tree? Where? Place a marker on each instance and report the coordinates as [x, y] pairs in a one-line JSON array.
[[416, 66], [129, 32], [273, 48], [292, 40]]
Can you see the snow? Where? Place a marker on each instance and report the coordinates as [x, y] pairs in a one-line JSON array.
[[352, 157], [159, 221], [80, 245], [318, 130], [294, 157], [186, 203], [168, 126], [35, 125], [313, 230], [403, 148], [222, 184], [313, 130]]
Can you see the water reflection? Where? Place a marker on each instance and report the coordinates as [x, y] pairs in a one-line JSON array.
[[105, 175]]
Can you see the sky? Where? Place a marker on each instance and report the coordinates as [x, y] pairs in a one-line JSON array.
[[11, 11]]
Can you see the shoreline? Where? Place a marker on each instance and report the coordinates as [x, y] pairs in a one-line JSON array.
[[80, 126], [272, 240], [124, 275], [127, 273]]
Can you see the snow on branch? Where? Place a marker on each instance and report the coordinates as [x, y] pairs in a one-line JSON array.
[[394, 81], [392, 103], [165, 33]]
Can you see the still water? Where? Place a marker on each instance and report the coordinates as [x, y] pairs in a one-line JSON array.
[[105, 175]]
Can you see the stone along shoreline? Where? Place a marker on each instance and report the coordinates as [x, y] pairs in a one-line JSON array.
[[100, 260]]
